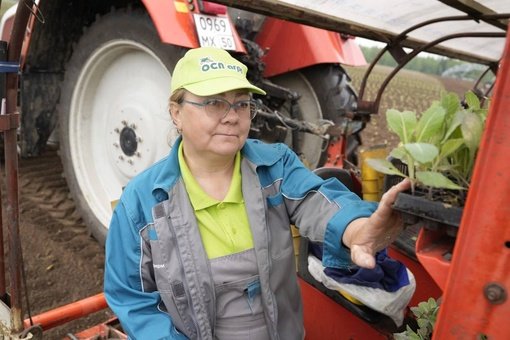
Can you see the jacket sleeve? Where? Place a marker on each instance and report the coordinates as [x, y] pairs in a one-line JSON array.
[[127, 293], [321, 209]]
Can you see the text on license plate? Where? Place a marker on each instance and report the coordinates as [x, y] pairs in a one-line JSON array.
[[214, 32]]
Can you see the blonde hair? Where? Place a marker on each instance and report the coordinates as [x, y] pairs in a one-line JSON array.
[[177, 96]]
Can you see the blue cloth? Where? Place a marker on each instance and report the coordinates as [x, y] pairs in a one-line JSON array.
[[388, 274]]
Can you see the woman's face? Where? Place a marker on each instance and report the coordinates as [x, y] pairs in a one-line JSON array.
[[205, 135]]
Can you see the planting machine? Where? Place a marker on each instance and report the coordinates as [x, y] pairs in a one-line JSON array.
[[93, 78]]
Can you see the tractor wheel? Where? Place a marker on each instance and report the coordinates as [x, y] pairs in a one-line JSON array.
[[113, 111], [325, 94]]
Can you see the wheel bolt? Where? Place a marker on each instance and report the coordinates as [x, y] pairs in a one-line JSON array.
[[133, 126], [138, 154], [121, 157], [116, 130], [139, 139], [116, 145], [124, 123], [130, 161]]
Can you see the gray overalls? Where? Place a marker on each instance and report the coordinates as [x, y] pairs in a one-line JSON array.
[[201, 296], [239, 311]]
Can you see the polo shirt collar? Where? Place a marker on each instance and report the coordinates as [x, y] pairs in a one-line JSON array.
[[201, 200]]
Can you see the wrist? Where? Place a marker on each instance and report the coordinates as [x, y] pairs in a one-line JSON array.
[[351, 230]]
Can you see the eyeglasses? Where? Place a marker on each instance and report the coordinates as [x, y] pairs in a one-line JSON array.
[[219, 107]]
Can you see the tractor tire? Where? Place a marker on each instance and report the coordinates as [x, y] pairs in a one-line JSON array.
[[326, 93], [113, 111]]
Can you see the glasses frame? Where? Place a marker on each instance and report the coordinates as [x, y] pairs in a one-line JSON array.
[[236, 105]]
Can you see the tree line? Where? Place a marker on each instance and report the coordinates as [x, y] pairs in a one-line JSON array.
[[436, 65]]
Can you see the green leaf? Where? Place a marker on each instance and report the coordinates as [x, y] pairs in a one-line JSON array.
[[423, 323], [422, 152], [424, 333], [414, 336], [457, 120], [472, 128], [399, 153], [450, 146], [400, 336], [451, 103], [436, 180], [384, 166], [472, 100], [432, 303], [430, 123], [402, 123]]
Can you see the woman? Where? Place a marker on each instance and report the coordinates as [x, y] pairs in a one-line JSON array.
[[199, 246]]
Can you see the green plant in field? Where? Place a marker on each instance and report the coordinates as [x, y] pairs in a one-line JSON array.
[[426, 314], [438, 147]]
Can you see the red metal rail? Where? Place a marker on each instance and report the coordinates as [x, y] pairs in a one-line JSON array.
[[476, 304], [61, 315]]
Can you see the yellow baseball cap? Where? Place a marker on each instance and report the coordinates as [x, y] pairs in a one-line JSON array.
[[205, 71]]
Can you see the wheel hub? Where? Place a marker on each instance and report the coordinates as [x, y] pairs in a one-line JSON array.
[[128, 141]]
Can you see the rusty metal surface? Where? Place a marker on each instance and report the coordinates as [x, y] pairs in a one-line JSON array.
[[11, 172]]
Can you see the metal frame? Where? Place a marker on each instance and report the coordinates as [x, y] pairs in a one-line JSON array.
[[9, 122], [478, 304], [295, 13], [402, 58]]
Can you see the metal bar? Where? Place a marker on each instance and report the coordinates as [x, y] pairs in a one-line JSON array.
[[475, 9], [411, 55], [3, 57], [69, 312], [484, 73], [295, 13], [401, 37], [476, 302], [11, 171]]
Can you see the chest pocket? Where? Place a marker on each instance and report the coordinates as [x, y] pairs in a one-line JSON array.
[[237, 285]]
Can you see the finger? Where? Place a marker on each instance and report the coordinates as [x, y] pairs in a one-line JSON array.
[[361, 258], [391, 195], [384, 210]]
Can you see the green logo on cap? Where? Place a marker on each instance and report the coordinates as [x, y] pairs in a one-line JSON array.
[[207, 63]]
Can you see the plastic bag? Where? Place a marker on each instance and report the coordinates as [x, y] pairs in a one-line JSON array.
[[392, 304]]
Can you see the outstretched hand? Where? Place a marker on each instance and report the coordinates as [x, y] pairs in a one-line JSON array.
[[366, 236]]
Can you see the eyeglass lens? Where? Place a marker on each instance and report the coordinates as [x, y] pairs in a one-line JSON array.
[[219, 107]]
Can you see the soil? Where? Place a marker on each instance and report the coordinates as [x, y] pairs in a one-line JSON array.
[[63, 263]]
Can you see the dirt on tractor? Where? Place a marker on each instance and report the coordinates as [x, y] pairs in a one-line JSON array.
[[64, 264]]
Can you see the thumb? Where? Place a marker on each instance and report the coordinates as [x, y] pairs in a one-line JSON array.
[[362, 258]]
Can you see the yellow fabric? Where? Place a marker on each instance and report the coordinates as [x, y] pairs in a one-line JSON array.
[[223, 225]]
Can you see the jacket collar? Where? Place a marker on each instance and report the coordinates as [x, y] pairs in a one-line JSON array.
[[255, 151]]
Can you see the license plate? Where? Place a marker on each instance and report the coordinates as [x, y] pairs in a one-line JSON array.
[[214, 32]]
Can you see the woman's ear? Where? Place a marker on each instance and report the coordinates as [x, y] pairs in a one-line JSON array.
[[175, 114]]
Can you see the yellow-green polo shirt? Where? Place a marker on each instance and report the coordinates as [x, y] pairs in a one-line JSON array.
[[223, 225]]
